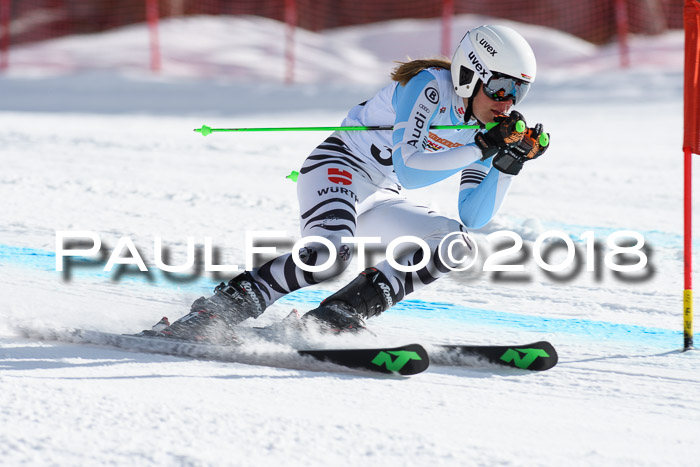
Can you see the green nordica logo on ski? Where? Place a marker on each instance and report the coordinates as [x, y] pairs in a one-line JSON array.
[[395, 364], [513, 355]]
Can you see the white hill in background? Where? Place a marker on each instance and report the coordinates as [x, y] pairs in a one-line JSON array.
[[252, 49]]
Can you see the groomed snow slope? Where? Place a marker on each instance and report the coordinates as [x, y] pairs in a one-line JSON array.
[[85, 148]]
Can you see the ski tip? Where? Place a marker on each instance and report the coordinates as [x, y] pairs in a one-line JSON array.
[[549, 357], [537, 356]]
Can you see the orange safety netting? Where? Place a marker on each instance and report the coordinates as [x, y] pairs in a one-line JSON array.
[[592, 20]]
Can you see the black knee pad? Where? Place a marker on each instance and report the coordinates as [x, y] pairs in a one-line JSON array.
[[309, 255]]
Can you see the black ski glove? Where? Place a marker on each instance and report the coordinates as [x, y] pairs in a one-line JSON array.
[[534, 143], [510, 130]]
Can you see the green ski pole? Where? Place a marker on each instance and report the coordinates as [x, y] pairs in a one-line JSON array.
[[206, 130]]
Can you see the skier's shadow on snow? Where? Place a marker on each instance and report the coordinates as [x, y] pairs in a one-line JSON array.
[[621, 357], [51, 357], [484, 370], [47, 357]]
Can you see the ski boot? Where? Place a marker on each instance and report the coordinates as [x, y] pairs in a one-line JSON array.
[[369, 294], [212, 319]]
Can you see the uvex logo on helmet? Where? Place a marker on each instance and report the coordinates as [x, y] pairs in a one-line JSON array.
[[489, 48], [477, 64]]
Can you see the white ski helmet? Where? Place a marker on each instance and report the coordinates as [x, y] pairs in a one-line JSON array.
[[490, 52]]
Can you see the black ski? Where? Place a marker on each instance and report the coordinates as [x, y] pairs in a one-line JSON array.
[[405, 360], [538, 356]]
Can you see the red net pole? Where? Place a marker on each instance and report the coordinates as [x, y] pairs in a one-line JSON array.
[[448, 9], [691, 144], [687, 251], [5, 41], [152, 18], [622, 24], [290, 18]]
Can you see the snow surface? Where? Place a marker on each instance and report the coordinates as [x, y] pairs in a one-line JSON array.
[[87, 148]]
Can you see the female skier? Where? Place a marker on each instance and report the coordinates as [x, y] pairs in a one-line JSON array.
[[350, 184]]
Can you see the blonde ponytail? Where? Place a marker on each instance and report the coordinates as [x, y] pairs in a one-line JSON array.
[[407, 70]]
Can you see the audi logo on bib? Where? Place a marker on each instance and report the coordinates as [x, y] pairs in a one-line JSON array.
[[339, 177]]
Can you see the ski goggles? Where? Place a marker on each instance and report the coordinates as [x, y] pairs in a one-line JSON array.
[[503, 87]]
